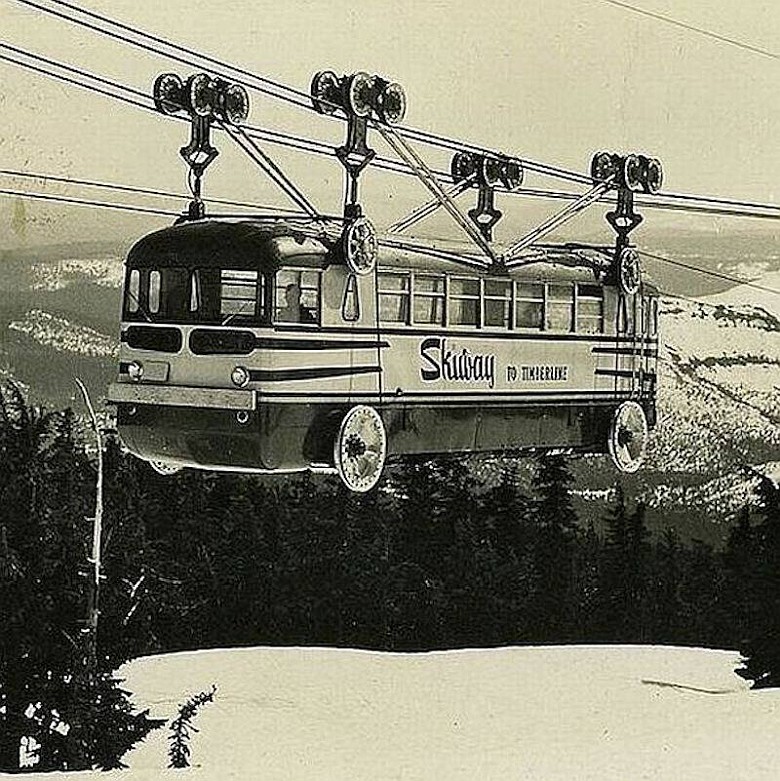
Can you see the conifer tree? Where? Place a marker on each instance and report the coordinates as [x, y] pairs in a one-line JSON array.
[[761, 652], [552, 512]]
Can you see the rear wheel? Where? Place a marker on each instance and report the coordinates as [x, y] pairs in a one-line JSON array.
[[628, 437], [360, 449]]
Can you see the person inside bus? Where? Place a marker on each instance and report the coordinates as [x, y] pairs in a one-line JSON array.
[[290, 311]]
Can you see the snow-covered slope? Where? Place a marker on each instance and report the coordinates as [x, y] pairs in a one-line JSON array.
[[573, 713]]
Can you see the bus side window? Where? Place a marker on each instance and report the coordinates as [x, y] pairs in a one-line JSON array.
[[394, 298], [529, 305], [560, 308], [350, 308], [428, 294], [297, 296], [464, 303], [590, 309], [498, 303]]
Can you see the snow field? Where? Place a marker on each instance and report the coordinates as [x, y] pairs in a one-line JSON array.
[[544, 713]]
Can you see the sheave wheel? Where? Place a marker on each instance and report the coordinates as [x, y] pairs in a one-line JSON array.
[[628, 437], [360, 449], [164, 468]]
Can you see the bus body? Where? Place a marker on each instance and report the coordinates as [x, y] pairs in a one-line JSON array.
[[245, 343]]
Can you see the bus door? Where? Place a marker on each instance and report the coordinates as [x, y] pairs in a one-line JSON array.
[[358, 311]]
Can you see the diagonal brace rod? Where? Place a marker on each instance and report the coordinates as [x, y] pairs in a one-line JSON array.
[[271, 168], [574, 208], [426, 176], [421, 212]]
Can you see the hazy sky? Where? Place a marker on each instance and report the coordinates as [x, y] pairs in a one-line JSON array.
[[553, 80]]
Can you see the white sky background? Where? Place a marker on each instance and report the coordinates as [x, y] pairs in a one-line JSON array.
[[552, 80]]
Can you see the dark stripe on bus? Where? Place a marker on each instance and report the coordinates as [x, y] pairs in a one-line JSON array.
[[282, 375], [269, 343], [460, 397], [622, 373]]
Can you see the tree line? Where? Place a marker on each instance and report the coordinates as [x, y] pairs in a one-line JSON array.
[[434, 558]]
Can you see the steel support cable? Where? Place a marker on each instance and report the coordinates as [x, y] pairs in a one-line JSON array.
[[693, 28], [426, 176], [85, 202], [302, 98], [127, 188], [325, 150], [553, 222], [708, 272], [719, 201], [196, 63], [270, 168], [70, 80], [751, 209]]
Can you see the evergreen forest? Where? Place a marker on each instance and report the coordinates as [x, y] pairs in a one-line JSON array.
[[434, 558]]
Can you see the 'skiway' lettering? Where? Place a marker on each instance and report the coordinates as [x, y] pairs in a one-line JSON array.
[[455, 365]]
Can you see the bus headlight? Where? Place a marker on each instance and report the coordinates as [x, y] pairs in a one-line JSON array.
[[135, 371], [240, 376]]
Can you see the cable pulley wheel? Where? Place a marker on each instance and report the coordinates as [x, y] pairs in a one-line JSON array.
[[629, 271], [360, 246]]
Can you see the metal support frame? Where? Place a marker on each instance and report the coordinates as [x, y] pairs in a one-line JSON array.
[[198, 155], [354, 155], [429, 208], [485, 215], [624, 219]]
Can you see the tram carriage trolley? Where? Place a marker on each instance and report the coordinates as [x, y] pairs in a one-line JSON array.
[[279, 343]]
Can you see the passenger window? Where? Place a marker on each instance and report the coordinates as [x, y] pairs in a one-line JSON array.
[[498, 301], [394, 298], [560, 307], [350, 308], [297, 297], [529, 305], [590, 309], [429, 299], [464, 301]]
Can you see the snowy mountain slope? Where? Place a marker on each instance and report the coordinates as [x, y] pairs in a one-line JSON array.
[[582, 713], [719, 403]]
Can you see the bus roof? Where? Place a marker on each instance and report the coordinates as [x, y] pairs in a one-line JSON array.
[[272, 244]]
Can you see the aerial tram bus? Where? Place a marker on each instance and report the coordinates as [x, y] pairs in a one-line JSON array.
[[305, 342]]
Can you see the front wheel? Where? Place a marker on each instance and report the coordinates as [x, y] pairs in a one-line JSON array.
[[360, 449]]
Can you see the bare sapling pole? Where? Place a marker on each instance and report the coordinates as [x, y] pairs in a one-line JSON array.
[[93, 602]]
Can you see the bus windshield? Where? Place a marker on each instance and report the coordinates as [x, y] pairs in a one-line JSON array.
[[212, 296]]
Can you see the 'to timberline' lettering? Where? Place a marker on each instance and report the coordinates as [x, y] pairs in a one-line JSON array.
[[544, 373], [453, 365]]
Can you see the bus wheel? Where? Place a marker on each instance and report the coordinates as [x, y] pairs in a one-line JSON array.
[[164, 468], [628, 437], [360, 449]]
